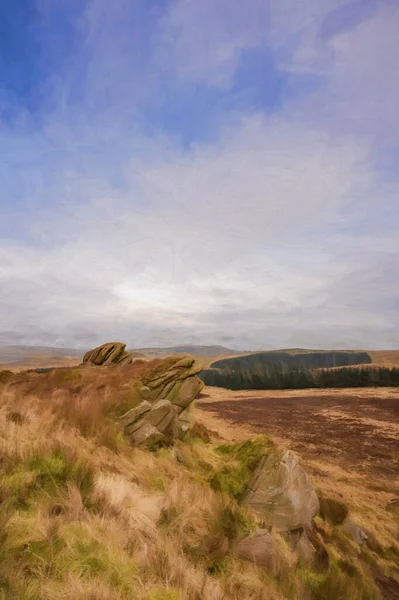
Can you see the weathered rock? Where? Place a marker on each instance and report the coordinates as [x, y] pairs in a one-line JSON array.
[[282, 493], [170, 415], [162, 416], [355, 531], [126, 359], [184, 363], [162, 384], [110, 353], [179, 456], [133, 414], [304, 548], [146, 434], [144, 392], [257, 547], [186, 418], [182, 394]]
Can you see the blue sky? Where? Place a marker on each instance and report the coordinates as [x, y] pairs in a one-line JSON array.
[[199, 171]]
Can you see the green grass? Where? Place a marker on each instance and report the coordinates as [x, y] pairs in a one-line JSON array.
[[241, 459]]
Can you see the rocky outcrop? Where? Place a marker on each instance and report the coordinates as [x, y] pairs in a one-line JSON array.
[[112, 353], [164, 411], [282, 493], [257, 547]]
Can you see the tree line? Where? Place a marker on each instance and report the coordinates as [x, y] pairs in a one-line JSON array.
[[279, 378]]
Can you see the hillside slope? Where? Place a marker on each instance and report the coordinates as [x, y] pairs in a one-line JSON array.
[[84, 515]]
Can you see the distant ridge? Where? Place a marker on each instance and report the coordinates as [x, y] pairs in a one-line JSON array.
[[15, 352], [214, 350]]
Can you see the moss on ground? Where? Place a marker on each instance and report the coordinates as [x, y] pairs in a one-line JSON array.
[[240, 461]]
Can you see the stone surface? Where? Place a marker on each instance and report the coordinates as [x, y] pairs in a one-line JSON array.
[[179, 456], [166, 405], [144, 392], [146, 434], [107, 354], [182, 395], [134, 413], [355, 531], [162, 416], [257, 547], [282, 493], [304, 548], [184, 363]]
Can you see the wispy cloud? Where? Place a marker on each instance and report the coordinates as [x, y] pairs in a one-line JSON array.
[[265, 233]]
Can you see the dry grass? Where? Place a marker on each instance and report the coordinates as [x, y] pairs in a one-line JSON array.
[[85, 516]]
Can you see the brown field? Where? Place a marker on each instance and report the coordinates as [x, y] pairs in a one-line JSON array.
[[39, 362], [385, 358], [347, 439], [357, 430]]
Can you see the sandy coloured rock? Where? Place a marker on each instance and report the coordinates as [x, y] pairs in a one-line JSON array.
[[257, 547], [166, 404], [355, 531], [108, 354], [282, 493]]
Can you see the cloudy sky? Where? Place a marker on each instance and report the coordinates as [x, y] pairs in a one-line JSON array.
[[199, 171]]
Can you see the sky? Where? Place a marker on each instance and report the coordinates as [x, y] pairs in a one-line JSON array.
[[199, 171]]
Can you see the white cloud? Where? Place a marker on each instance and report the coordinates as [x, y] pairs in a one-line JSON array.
[[264, 237], [221, 248]]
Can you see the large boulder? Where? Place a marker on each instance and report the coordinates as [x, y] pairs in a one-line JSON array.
[[112, 353], [282, 493], [165, 410]]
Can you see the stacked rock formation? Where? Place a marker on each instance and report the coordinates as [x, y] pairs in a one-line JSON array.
[[164, 411], [112, 353]]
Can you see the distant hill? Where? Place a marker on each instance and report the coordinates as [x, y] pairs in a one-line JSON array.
[[291, 370], [297, 359], [18, 357], [23, 356], [16, 353], [197, 350]]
